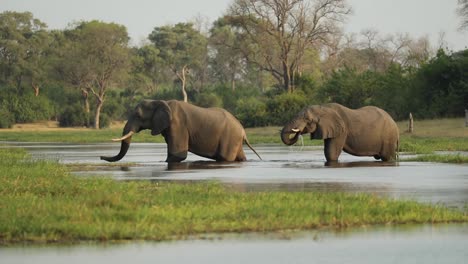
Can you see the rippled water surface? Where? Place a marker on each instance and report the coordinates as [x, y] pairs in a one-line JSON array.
[[404, 244], [282, 168]]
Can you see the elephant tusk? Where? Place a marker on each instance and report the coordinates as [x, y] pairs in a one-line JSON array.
[[129, 134], [295, 130]]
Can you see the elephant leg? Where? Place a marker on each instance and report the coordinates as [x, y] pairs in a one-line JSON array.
[[177, 157], [176, 149], [241, 155], [229, 151], [389, 156], [333, 148], [388, 152]]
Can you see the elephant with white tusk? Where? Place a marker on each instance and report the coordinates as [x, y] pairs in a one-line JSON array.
[[367, 131], [212, 133]]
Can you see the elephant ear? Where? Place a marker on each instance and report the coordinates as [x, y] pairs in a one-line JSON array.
[[162, 117], [329, 124]]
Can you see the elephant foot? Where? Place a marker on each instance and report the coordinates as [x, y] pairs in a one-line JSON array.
[[332, 163], [176, 157]]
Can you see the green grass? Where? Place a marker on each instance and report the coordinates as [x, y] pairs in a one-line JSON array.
[[41, 202], [451, 158], [74, 136]]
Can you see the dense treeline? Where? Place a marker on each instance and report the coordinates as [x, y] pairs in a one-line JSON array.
[[260, 68]]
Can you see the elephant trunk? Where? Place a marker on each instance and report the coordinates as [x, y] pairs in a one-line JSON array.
[[286, 136], [126, 139]]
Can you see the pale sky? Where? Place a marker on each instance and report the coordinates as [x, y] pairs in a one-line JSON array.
[[416, 17]]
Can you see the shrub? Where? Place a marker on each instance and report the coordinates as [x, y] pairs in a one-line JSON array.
[[251, 112], [6, 118], [285, 106], [73, 116], [30, 108], [209, 100], [104, 121]]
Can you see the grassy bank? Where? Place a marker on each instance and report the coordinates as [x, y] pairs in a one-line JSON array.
[[41, 202], [428, 136]]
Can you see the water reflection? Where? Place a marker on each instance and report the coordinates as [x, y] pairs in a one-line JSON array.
[[357, 164], [283, 169], [388, 244], [202, 165]]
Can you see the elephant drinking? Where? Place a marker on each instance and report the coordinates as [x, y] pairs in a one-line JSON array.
[[367, 131]]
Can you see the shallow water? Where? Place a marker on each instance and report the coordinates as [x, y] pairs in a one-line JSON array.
[[282, 168], [403, 244]]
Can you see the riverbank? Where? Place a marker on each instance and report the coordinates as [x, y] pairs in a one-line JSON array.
[[428, 136], [43, 203]]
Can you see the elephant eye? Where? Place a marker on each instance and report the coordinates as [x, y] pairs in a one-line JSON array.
[[139, 112]]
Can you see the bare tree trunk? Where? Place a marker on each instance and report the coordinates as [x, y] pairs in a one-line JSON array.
[[97, 116], [233, 82], [85, 94], [183, 80], [36, 89]]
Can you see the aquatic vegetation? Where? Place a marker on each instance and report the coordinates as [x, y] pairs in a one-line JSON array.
[[42, 202]]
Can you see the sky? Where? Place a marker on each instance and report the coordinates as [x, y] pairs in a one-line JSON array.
[[417, 17]]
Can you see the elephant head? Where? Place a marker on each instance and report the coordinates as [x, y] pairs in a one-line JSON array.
[[149, 114], [320, 121]]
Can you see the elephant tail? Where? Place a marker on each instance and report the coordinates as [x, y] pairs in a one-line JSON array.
[[250, 146]]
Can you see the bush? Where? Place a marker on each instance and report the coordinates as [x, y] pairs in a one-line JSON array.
[[73, 116], [284, 107], [251, 112], [6, 118], [209, 100], [29, 108], [104, 121]]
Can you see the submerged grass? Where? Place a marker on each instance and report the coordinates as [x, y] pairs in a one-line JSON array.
[[41, 202]]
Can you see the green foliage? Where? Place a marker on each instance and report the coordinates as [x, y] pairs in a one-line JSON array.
[[94, 56], [231, 97], [7, 119], [441, 86], [285, 106], [24, 43], [391, 91], [26, 108], [73, 116], [251, 112], [349, 87], [42, 202], [105, 121], [208, 100]]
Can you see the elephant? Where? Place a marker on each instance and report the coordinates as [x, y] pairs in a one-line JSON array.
[[212, 133], [367, 131]]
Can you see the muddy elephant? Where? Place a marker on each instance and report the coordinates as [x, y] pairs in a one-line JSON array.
[[367, 131], [208, 132]]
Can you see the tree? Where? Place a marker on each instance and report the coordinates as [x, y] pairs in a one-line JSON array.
[[441, 86], [227, 63], [147, 71], [96, 58], [281, 31], [371, 51], [462, 12], [182, 48], [23, 46]]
